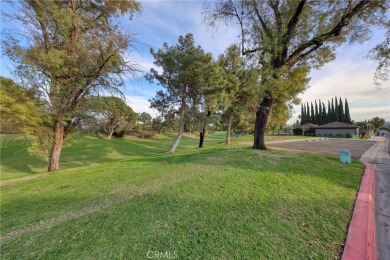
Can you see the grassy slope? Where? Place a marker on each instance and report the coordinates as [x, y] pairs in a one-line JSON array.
[[17, 162], [217, 202]]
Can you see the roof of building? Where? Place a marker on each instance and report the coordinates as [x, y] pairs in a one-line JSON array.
[[337, 125], [307, 126]]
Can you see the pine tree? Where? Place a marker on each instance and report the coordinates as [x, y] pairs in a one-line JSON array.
[[329, 115], [302, 115], [341, 111], [347, 115], [316, 115], [337, 111]]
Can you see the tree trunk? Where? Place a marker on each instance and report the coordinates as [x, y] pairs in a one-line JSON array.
[[181, 128], [229, 126], [54, 158], [201, 139], [109, 135], [203, 130], [262, 115]]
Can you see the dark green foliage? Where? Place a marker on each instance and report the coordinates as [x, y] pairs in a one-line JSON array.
[[332, 114], [377, 122], [341, 111], [347, 115], [329, 114], [308, 117], [313, 116], [111, 114], [320, 113], [323, 114], [185, 72], [143, 127], [119, 133], [337, 111], [303, 119], [320, 116], [69, 50]]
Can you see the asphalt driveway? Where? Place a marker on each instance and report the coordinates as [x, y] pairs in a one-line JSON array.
[[326, 146]]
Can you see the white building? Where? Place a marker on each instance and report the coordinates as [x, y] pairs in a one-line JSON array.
[[336, 129]]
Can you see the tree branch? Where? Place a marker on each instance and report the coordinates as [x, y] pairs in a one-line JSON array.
[[263, 24], [291, 27], [320, 39]]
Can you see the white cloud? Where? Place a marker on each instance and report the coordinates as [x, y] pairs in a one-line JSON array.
[[140, 104], [350, 76]]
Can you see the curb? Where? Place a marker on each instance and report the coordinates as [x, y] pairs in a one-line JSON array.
[[360, 243]]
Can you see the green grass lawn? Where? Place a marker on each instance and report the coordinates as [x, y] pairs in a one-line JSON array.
[[217, 202], [90, 150]]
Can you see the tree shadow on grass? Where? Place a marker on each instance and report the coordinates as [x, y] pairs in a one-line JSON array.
[[16, 161]]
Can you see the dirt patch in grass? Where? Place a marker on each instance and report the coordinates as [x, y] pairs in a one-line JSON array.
[[330, 146]]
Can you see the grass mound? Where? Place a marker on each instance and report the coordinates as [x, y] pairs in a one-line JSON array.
[[219, 202]]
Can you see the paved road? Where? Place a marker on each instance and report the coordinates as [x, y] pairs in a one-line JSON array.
[[378, 156], [327, 146]]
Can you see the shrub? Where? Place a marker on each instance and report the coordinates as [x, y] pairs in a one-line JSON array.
[[119, 133]]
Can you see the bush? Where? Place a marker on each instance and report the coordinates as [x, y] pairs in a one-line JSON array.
[[363, 135], [119, 133]]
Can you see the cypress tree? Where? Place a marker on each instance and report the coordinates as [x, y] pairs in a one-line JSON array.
[[316, 115], [337, 111], [347, 115], [341, 111], [329, 115], [323, 114], [313, 116], [302, 115], [308, 118], [319, 112], [332, 117]]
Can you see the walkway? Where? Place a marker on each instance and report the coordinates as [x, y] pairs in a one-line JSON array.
[[378, 156]]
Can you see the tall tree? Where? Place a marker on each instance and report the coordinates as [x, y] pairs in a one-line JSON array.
[[212, 90], [347, 115], [377, 122], [112, 113], [20, 111], [288, 38], [308, 115], [303, 115], [336, 110], [324, 115], [70, 50], [319, 112], [313, 115], [341, 111], [329, 114], [183, 67], [144, 124], [317, 115], [333, 114], [240, 81]]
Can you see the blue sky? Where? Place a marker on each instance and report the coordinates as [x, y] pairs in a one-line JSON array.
[[349, 76]]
